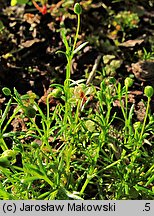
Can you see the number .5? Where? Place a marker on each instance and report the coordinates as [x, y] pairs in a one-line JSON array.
[[147, 206]]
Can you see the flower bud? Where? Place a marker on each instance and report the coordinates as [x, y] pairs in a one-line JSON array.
[[77, 9], [137, 125], [4, 162], [128, 82], [6, 91], [148, 91], [56, 93]]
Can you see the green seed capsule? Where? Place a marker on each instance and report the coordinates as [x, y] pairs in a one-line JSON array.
[[137, 125], [9, 153], [148, 91], [4, 162], [128, 82], [30, 112], [6, 91], [56, 93], [77, 9]]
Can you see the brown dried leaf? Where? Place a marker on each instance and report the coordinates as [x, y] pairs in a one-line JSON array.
[[29, 43], [131, 43]]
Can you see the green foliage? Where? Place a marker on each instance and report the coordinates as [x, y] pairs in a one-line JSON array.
[[127, 19], [147, 55], [82, 145], [124, 21], [91, 152], [111, 65]]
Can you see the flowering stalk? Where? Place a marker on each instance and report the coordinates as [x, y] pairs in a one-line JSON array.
[[148, 91]]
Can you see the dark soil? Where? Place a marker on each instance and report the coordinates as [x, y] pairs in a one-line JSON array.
[[29, 41]]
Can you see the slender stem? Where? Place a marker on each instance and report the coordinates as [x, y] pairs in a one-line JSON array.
[[69, 58], [126, 101], [77, 33], [11, 118], [68, 74], [77, 111], [48, 120], [84, 186], [145, 118], [126, 114], [5, 112], [37, 128]]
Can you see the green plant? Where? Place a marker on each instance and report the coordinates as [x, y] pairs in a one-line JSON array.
[[124, 21], [127, 19], [91, 155], [28, 107], [147, 55], [3, 123], [87, 146], [148, 91], [69, 53], [111, 65]]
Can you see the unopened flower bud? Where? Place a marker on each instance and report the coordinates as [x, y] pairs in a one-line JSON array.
[[148, 91], [128, 82], [77, 9]]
